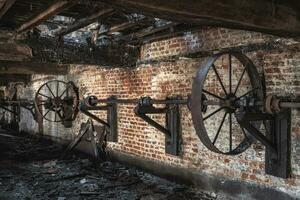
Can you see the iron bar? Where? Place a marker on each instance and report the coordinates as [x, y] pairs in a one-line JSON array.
[[136, 101]]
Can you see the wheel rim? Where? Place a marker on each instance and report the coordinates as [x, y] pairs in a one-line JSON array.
[[51, 99], [226, 99]]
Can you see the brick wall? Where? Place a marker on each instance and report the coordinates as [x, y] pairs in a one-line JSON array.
[[169, 78]]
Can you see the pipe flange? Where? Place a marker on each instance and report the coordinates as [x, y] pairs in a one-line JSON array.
[[268, 104], [276, 105], [272, 104]]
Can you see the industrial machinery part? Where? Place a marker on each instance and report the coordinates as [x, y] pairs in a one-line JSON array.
[[213, 99], [229, 117], [23, 103], [94, 135], [59, 99], [145, 106], [111, 123], [229, 109], [172, 129], [57, 102]]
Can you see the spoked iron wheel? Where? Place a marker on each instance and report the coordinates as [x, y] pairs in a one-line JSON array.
[[218, 89], [57, 101]]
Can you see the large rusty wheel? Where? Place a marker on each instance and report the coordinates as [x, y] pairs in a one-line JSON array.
[[219, 88], [57, 101]]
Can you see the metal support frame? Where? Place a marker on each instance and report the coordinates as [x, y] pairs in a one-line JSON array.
[[277, 141], [111, 123], [89, 135], [172, 129], [16, 105]]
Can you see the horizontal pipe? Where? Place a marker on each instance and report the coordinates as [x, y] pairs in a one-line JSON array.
[[136, 101], [289, 104]]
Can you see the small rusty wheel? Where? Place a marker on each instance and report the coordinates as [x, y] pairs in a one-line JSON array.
[[226, 79], [57, 101]]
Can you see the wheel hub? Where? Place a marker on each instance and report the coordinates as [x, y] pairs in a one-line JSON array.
[[230, 103], [56, 102]]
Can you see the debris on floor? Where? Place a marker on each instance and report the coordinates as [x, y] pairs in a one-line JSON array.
[[30, 169]]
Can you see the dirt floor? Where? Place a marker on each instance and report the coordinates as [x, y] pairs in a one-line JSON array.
[[30, 168]]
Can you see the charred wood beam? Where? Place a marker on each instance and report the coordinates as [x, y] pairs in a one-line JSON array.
[[47, 50], [85, 22], [147, 31], [6, 6], [14, 51], [16, 67], [151, 34], [8, 78], [50, 12], [257, 15], [124, 26]]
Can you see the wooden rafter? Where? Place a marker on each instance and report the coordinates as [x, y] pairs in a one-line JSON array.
[[6, 6], [124, 26], [257, 15], [54, 9], [8, 78], [15, 67], [148, 32], [85, 22]]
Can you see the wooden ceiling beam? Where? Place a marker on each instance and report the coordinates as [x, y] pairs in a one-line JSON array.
[[124, 26], [53, 10], [48, 50], [147, 32], [84, 22], [16, 67], [5, 79], [6, 6], [257, 15]]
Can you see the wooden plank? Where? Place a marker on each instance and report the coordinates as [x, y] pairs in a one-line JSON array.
[[278, 18], [85, 22], [55, 9], [6, 6], [15, 67]]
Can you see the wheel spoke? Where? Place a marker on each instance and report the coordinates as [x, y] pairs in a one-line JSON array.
[[211, 94], [219, 78], [246, 93], [230, 74], [46, 113], [244, 132], [240, 80], [219, 129], [212, 103], [59, 115], [44, 96], [213, 113], [230, 131], [64, 91], [57, 88], [50, 89]]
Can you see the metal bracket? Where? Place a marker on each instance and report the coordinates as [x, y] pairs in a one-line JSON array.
[[281, 138], [88, 136], [172, 129], [111, 123], [277, 142]]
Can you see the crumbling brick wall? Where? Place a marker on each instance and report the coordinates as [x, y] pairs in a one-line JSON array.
[[166, 70]]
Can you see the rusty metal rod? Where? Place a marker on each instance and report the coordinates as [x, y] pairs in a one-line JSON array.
[[136, 101], [289, 104]]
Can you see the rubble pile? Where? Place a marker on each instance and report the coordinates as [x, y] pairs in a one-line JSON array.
[[30, 168]]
